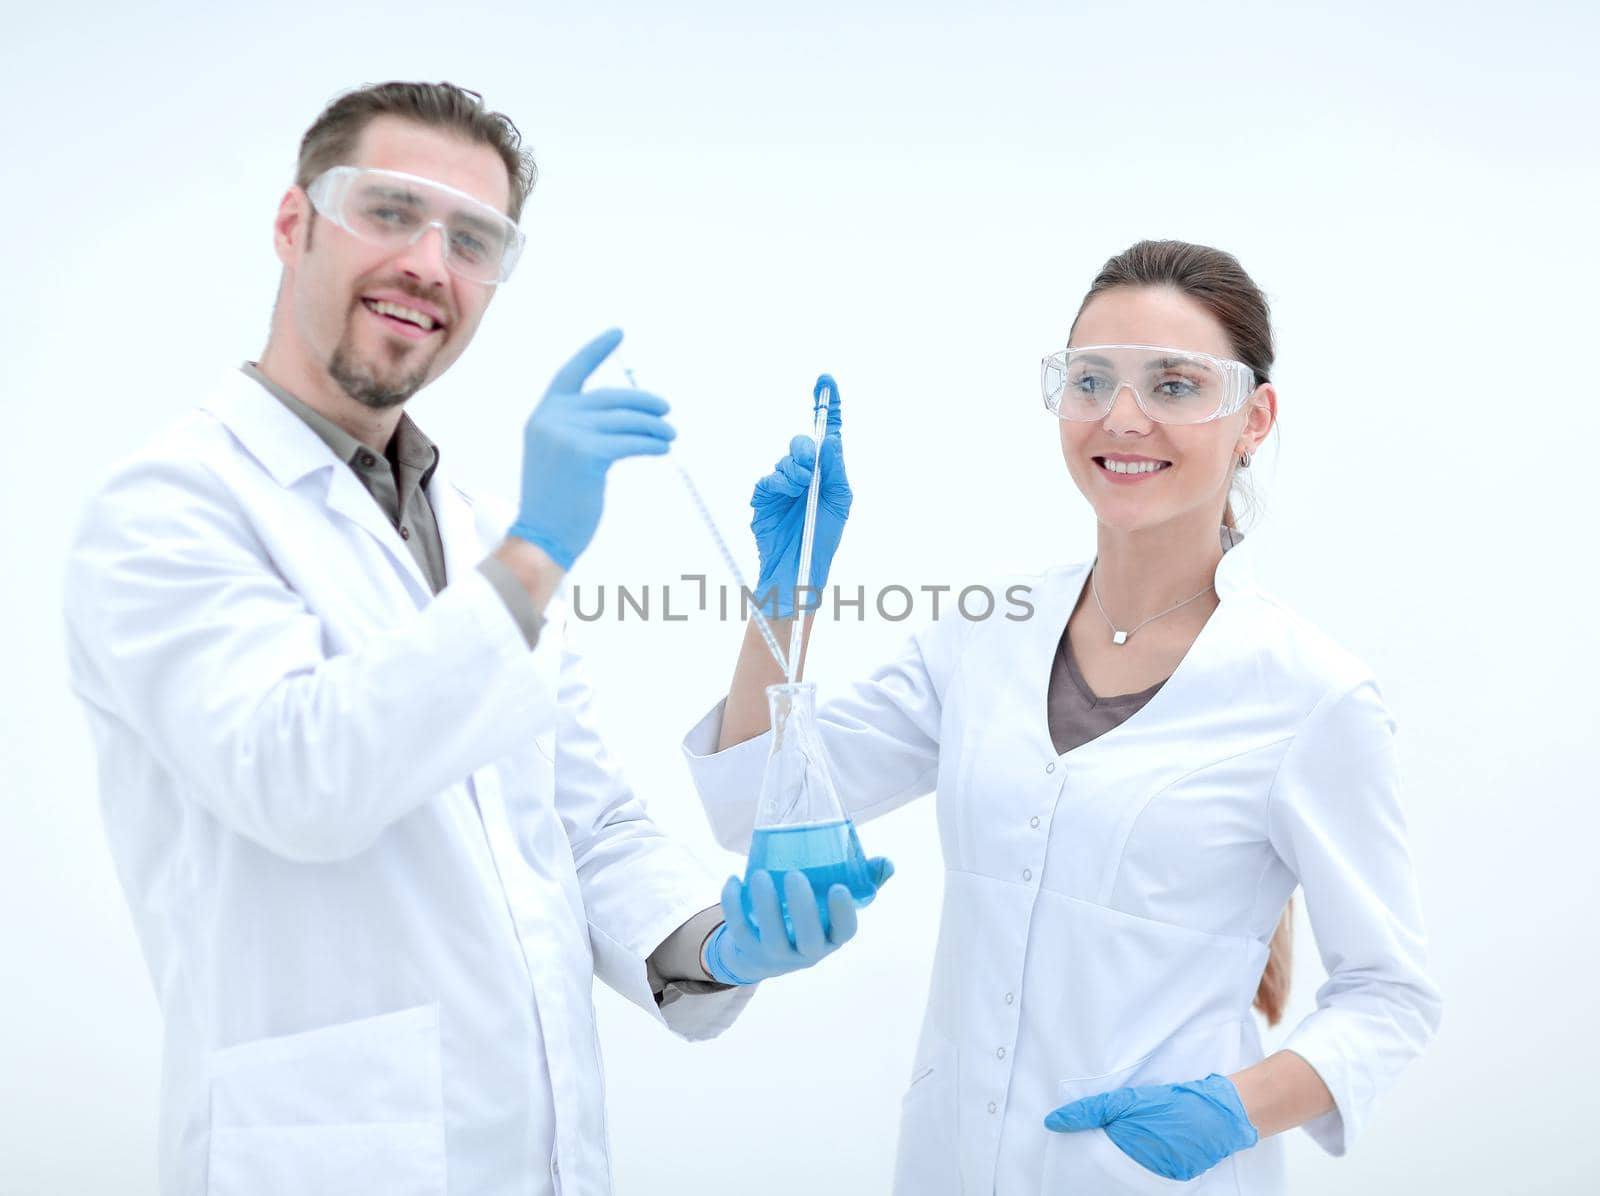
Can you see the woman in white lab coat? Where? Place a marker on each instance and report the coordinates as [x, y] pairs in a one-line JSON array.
[[1135, 768]]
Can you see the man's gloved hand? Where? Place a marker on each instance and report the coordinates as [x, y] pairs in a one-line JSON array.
[[1175, 1130], [570, 441], [744, 950], [779, 502]]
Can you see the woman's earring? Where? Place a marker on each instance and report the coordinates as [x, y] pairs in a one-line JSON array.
[[1244, 460]]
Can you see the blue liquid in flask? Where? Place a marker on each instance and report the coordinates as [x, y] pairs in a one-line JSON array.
[[828, 853]]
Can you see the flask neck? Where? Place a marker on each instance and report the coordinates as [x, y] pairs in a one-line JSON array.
[[788, 702], [796, 788]]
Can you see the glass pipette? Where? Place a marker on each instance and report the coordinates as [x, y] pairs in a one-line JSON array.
[[819, 428], [722, 547]]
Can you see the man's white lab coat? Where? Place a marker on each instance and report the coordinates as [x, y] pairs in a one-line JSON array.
[[373, 845]]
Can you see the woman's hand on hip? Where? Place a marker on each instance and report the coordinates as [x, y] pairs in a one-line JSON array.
[[1175, 1130]]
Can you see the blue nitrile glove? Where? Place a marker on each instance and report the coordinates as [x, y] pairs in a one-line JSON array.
[[570, 441], [744, 950], [780, 512], [1175, 1130]]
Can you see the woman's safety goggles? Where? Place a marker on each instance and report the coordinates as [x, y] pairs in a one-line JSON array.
[[388, 208], [1172, 386]]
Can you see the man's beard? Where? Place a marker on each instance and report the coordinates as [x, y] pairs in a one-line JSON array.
[[361, 384]]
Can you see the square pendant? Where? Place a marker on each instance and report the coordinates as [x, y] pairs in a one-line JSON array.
[[1120, 637]]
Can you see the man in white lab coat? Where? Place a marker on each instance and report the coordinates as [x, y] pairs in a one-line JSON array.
[[373, 845]]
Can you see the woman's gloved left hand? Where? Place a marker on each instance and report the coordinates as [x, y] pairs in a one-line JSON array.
[[1175, 1130], [779, 502]]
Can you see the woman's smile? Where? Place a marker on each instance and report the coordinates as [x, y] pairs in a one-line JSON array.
[[1123, 469]]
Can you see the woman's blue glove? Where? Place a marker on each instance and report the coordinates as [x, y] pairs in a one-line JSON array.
[[1175, 1130], [570, 441], [780, 512], [744, 950]]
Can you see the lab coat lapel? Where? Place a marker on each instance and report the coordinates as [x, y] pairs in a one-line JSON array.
[[456, 516], [290, 452], [349, 498], [1207, 674]]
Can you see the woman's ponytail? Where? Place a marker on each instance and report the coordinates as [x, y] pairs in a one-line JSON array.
[[1273, 993]]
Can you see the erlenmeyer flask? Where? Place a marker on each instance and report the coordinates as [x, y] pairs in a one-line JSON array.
[[800, 824]]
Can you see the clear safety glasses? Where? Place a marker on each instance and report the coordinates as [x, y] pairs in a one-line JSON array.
[[392, 209], [1172, 386]]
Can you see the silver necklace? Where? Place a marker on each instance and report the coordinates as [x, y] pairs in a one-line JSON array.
[[1121, 637]]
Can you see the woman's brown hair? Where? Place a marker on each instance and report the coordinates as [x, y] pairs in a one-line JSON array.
[[1216, 281]]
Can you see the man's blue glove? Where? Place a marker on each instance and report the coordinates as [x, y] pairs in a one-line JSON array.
[[1175, 1130], [749, 948], [570, 441], [779, 502]]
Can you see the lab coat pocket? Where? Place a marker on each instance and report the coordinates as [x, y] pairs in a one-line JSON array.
[[1089, 1161], [928, 1159], [352, 1107], [1116, 1172]]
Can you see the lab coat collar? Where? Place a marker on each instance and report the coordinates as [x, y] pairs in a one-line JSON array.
[[287, 447], [1233, 579], [290, 450]]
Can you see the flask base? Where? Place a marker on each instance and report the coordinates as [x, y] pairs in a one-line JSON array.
[[828, 853]]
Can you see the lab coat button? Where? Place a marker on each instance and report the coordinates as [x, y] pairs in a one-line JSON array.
[[1011, 998], [993, 1107], [1034, 822], [1050, 767], [1027, 874], [1001, 1053]]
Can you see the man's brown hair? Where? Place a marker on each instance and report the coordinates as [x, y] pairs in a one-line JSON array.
[[331, 139]]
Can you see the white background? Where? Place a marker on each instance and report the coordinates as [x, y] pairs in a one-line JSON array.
[[913, 197]]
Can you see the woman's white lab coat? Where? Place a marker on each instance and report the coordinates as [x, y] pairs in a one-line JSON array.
[[1107, 911], [375, 851]]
